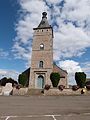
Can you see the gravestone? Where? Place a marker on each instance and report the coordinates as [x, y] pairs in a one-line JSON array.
[[7, 89]]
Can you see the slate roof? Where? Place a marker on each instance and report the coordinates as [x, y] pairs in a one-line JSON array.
[[62, 72], [44, 22]]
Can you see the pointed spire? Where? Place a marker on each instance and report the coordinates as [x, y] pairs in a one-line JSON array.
[[44, 22]]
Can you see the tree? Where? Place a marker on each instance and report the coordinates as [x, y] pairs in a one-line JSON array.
[[7, 80], [55, 78], [22, 79], [80, 78], [4, 81], [10, 80]]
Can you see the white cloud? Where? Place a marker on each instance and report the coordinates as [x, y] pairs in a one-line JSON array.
[[76, 10], [86, 68], [25, 25], [32, 6], [3, 54], [21, 52], [3, 72], [71, 28], [53, 1], [9, 74], [69, 40], [71, 67]]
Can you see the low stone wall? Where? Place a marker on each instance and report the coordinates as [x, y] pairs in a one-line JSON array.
[[52, 91], [21, 91], [67, 91], [35, 92]]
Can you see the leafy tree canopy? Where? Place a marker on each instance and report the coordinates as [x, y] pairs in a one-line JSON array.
[[5, 80]]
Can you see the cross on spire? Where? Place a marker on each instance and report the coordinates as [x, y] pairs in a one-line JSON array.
[[44, 14]]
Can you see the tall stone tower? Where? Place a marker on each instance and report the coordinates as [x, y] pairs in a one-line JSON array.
[[42, 55]]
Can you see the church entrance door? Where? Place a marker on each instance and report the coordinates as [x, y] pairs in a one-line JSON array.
[[40, 82]]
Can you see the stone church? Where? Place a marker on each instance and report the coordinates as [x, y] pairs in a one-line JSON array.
[[38, 75]]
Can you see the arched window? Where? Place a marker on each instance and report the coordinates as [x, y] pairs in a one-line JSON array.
[[42, 46], [41, 64]]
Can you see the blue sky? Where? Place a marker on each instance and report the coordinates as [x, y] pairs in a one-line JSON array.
[[71, 23], [9, 15]]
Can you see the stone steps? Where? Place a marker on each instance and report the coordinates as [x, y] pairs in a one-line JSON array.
[[35, 92]]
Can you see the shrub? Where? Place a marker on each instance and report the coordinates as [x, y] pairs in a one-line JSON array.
[[61, 87], [47, 87], [55, 78], [80, 78], [22, 79], [75, 87]]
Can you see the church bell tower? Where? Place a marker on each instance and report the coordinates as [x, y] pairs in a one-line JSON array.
[[42, 55]]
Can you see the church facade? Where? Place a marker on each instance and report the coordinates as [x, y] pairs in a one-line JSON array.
[[42, 54], [42, 57]]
